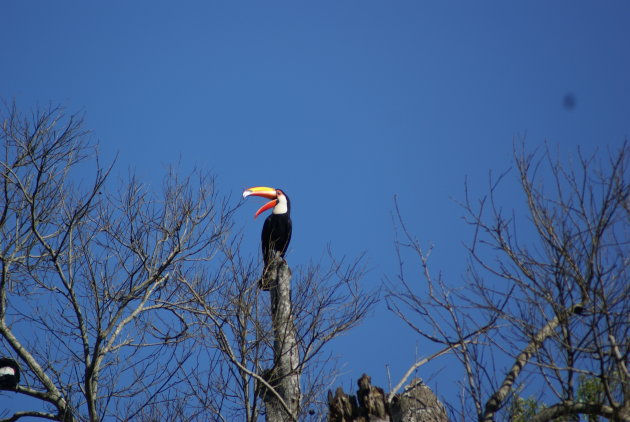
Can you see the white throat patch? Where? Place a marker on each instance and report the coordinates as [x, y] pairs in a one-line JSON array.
[[281, 207], [7, 371]]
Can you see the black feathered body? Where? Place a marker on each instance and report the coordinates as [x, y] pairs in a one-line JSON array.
[[276, 235]]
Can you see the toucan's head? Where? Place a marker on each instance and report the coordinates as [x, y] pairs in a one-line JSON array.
[[279, 201]]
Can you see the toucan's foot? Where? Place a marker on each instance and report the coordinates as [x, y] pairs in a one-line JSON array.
[[270, 272], [263, 284]]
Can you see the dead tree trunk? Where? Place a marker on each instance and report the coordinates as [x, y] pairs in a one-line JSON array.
[[416, 403], [283, 404]]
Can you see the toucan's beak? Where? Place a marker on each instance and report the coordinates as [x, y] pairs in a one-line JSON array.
[[265, 192]]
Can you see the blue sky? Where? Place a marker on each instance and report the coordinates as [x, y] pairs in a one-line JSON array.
[[342, 104]]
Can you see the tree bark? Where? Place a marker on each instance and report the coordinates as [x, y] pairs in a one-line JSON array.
[[416, 403], [284, 376]]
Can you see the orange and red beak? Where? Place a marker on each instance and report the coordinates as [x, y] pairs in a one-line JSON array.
[[265, 192]]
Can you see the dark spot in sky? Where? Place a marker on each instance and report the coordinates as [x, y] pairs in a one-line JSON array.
[[569, 101]]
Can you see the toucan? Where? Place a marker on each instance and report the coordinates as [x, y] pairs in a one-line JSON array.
[[276, 232], [9, 374]]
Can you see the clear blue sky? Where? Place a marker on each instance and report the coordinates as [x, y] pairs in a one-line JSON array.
[[343, 104]]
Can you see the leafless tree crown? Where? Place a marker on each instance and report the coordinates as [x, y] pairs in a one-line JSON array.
[[89, 273], [124, 302], [541, 325]]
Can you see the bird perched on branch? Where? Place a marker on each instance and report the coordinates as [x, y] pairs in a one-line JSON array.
[[9, 374], [276, 232]]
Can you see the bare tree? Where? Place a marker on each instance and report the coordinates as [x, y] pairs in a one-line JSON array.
[[126, 304], [543, 310], [88, 275], [268, 349]]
